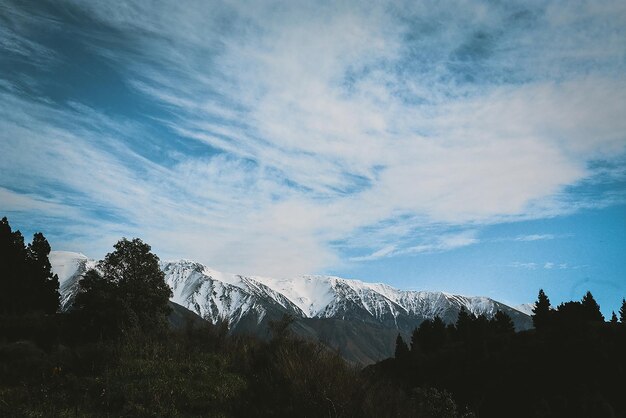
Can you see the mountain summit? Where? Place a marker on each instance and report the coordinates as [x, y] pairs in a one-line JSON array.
[[359, 319]]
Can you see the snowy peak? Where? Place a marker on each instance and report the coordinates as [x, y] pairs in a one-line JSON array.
[[215, 295], [70, 268]]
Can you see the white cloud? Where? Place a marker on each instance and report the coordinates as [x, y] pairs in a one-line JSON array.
[[534, 237], [330, 123], [548, 265], [383, 252], [524, 265]]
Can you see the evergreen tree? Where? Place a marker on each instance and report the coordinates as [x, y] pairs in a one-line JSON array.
[[591, 308], [45, 285], [541, 311], [613, 318], [502, 323], [415, 337], [402, 350], [622, 312], [430, 336], [26, 277], [464, 323], [12, 268], [571, 313], [439, 334]]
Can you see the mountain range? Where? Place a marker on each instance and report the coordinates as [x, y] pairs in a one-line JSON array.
[[361, 320]]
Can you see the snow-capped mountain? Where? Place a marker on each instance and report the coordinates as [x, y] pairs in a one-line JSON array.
[[69, 267], [360, 320], [214, 295]]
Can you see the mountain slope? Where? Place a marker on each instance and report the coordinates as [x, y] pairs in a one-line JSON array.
[[359, 319]]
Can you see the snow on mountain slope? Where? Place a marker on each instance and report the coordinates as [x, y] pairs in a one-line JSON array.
[[215, 295], [526, 308], [69, 267]]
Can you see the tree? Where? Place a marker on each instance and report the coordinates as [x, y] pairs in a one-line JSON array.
[[98, 308], [430, 336], [591, 308], [130, 280], [464, 323], [613, 318], [45, 285], [541, 311], [622, 312], [12, 268], [402, 350], [502, 323], [26, 278]]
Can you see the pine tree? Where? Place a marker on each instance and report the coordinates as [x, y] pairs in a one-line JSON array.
[[402, 350], [44, 283], [415, 340], [591, 308], [541, 311], [12, 269], [464, 322], [502, 323], [613, 318], [26, 280], [430, 336], [439, 334], [622, 312]]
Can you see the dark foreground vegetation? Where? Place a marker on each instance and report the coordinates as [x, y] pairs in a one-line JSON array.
[[571, 365], [114, 354]]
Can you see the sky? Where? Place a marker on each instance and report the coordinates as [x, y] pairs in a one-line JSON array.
[[474, 147]]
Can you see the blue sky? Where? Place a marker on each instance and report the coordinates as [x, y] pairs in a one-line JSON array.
[[476, 147]]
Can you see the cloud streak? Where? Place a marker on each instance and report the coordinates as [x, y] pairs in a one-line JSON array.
[[278, 131]]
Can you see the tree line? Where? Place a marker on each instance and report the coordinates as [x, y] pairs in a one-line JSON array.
[[570, 365]]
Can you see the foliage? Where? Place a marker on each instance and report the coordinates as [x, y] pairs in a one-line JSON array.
[[402, 349], [127, 293], [126, 363], [541, 311], [26, 278], [591, 307], [565, 368]]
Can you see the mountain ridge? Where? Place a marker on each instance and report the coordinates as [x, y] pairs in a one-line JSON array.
[[315, 302]]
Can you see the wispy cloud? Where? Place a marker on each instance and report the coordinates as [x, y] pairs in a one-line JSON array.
[[524, 265], [534, 237], [278, 130], [432, 245], [548, 265]]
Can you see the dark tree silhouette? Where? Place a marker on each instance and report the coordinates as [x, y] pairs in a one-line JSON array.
[[430, 336], [502, 323], [402, 350], [541, 311], [464, 323], [613, 318], [591, 308], [28, 284], [131, 282], [45, 285], [622, 312], [98, 308]]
